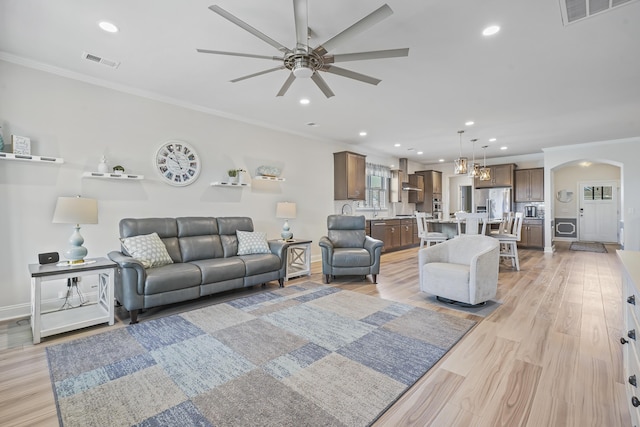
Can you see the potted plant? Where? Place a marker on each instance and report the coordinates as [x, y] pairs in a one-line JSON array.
[[233, 175]]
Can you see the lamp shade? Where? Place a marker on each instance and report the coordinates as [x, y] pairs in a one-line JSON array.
[[286, 210], [76, 210]]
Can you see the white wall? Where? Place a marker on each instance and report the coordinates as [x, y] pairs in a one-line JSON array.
[[79, 122], [622, 153]]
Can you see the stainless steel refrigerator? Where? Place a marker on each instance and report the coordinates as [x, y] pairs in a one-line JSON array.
[[495, 201]]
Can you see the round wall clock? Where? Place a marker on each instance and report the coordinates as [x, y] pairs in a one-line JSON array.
[[177, 163]]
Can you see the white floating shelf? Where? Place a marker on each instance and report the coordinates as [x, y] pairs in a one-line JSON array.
[[31, 158], [100, 175], [269, 178], [229, 184]]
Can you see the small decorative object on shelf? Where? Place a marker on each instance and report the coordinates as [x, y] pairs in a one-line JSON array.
[[21, 145], [268, 171], [102, 166], [233, 175], [119, 170]]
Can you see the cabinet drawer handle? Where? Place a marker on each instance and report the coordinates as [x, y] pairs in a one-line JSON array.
[[632, 381], [623, 341], [635, 402], [632, 300], [632, 334]]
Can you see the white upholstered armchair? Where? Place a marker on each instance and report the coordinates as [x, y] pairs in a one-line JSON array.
[[462, 270]]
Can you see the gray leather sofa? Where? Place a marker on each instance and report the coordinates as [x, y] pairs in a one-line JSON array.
[[205, 261]]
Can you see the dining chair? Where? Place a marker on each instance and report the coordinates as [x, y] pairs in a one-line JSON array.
[[474, 223], [424, 234], [506, 225], [509, 241]]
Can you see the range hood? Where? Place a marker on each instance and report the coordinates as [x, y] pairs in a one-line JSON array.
[[404, 167]]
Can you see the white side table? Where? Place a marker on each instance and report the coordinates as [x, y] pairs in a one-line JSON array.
[[298, 258], [57, 322]]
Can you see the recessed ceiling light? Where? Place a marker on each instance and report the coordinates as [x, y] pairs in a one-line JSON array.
[[396, 145], [420, 152], [108, 27], [492, 140], [441, 160], [504, 147], [469, 123], [491, 30], [304, 101], [363, 133]]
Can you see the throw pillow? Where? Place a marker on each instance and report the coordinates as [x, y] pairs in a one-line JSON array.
[[149, 249], [252, 243]]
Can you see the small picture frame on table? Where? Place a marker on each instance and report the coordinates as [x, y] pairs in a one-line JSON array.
[[21, 145]]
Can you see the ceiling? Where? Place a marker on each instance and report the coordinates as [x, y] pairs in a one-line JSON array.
[[535, 84]]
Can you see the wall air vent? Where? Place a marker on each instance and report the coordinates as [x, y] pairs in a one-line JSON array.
[[576, 10], [100, 60]]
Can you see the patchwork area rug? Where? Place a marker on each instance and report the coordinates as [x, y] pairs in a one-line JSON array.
[[304, 355], [588, 247]]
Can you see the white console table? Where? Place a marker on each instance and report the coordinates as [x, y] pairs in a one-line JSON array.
[[57, 322]]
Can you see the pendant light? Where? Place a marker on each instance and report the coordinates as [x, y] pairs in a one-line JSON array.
[[474, 168], [460, 164], [485, 172]]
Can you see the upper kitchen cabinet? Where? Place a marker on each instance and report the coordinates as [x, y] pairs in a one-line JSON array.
[[432, 181], [416, 181], [349, 176], [501, 176], [529, 185]]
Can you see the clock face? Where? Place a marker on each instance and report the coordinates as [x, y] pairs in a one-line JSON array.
[[177, 163]]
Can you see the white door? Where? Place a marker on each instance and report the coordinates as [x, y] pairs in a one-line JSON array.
[[598, 211]]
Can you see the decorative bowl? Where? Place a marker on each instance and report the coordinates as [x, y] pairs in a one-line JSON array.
[[270, 171]]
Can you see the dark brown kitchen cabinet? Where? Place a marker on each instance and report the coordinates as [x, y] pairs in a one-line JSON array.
[[501, 176], [432, 190], [529, 186], [532, 234], [387, 230], [406, 232], [349, 176], [416, 181]]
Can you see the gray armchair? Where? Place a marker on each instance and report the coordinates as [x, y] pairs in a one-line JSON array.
[[347, 250]]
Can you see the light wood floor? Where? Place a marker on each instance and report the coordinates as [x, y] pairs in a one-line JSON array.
[[548, 356]]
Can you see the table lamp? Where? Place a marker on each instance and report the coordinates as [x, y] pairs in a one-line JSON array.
[[287, 211], [76, 210]]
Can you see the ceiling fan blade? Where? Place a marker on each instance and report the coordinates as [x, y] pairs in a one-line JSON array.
[[286, 85], [365, 23], [324, 87], [246, 55], [257, 74], [301, 16], [361, 56], [351, 74], [220, 11]]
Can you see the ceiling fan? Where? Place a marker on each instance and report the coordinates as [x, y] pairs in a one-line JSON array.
[[306, 62]]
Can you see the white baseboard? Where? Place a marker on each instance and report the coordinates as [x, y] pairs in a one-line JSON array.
[[20, 311]]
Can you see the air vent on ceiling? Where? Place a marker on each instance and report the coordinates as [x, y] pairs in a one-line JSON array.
[[575, 10], [100, 60]]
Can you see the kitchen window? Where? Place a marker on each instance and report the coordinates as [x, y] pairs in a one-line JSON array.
[[376, 187]]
